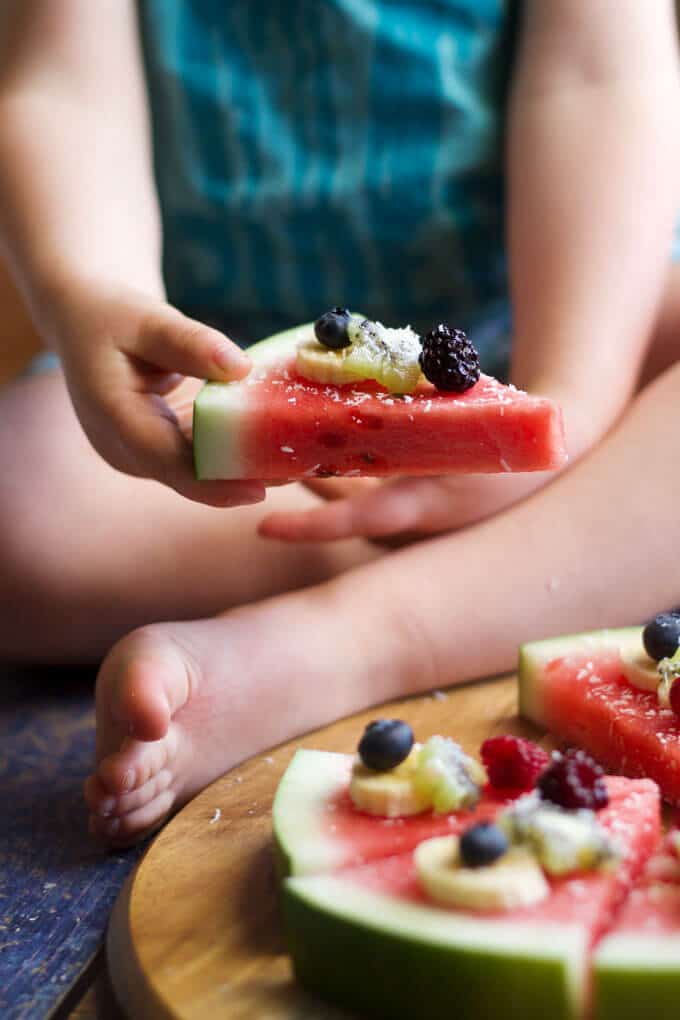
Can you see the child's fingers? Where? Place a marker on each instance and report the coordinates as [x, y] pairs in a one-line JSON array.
[[330, 489], [152, 446], [174, 343], [406, 505]]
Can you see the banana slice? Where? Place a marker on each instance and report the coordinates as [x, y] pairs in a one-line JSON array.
[[324, 366], [640, 670], [389, 794], [514, 880]]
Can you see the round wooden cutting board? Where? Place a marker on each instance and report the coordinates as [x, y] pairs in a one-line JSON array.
[[195, 932]]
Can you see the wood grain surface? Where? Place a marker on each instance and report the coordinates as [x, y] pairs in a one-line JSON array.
[[195, 933]]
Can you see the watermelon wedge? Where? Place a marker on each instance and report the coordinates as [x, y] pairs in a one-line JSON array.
[[317, 828], [364, 936], [574, 686], [637, 965], [277, 425]]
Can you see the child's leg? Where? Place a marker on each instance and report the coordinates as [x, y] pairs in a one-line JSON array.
[[87, 554], [178, 704]]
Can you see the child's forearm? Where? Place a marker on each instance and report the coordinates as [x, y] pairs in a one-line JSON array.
[[594, 155], [76, 186], [580, 554]]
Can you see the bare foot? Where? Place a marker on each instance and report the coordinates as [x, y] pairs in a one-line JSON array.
[[179, 704]]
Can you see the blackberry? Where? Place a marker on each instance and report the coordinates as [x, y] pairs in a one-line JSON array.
[[449, 360], [331, 329], [482, 844], [385, 744], [574, 781], [513, 763], [661, 636]]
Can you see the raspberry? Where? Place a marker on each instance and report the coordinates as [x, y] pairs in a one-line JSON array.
[[574, 781], [512, 763], [449, 360]]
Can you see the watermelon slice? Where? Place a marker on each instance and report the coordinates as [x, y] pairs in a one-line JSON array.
[[317, 828], [364, 935], [277, 425], [574, 687], [637, 965]]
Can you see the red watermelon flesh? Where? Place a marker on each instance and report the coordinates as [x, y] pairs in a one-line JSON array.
[[584, 699], [277, 425], [366, 837], [591, 897]]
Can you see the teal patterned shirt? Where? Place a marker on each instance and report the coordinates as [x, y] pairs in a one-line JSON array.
[[318, 152]]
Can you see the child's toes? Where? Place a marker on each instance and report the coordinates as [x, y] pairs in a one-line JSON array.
[[138, 798], [136, 824], [98, 798], [135, 764]]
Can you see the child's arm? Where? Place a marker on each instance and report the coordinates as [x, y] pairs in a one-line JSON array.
[[79, 224], [594, 187]]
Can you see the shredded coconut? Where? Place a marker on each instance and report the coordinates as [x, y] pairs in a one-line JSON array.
[[216, 817]]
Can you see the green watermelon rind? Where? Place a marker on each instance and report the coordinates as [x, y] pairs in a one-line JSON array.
[[303, 844], [636, 976], [218, 407], [534, 656], [388, 958]]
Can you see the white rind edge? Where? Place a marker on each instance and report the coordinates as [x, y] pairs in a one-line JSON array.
[[220, 409], [311, 780], [352, 902], [637, 951], [535, 655]]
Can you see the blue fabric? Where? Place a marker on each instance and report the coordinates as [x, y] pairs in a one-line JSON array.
[[320, 152], [56, 887]]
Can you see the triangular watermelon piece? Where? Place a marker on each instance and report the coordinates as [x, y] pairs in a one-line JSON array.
[[276, 425], [365, 936], [575, 687]]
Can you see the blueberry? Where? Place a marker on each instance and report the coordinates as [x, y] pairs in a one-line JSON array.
[[385, 744], [661, 637], [331, 329], [482, 844]]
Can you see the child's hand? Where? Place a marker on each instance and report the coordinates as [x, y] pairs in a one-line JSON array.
[[133, 365], [400, 508]]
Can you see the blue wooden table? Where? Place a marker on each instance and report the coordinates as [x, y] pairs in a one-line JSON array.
[[56, 887]]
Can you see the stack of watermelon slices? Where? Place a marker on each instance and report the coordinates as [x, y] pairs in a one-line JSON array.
[[362, 934]]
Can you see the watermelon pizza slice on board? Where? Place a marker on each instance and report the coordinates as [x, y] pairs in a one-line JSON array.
[[368, 929]]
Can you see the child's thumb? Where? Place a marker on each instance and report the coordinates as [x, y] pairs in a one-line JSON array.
[[176, 343]]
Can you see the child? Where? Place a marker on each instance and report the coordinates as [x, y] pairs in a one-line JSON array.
[[308, 154]]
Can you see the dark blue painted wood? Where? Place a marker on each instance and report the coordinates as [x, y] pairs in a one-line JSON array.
[[56, 888]]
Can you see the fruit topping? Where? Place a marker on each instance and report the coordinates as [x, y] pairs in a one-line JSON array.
[[482, 844], [669, 671], [374, 352], [661, 636], [450, 778], [513, 763], [563, 841], [640, 670], [449, 360], [385, 744], [511, 881], [391, 794], [574, 780], [331, 329]]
